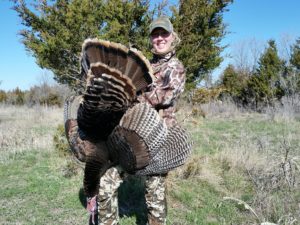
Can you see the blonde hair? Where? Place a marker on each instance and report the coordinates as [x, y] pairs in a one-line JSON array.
[[176, 40]]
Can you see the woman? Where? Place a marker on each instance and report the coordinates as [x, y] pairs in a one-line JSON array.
[[165, 90]]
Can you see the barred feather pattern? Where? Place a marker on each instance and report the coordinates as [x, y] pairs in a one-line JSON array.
[[146, 122], [138, 137], [101, 109], [173, 152], [128, 149], [106, 126], [114, 74]]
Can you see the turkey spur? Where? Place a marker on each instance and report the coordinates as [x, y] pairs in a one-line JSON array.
[[108, 126]]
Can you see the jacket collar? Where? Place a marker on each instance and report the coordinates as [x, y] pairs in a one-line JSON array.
[[162, 58]]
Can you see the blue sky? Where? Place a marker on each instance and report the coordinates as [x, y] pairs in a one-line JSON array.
[[246, 19]]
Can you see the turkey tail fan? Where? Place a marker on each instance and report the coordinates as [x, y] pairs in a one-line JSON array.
[[130, 62], [114, 75], [107, 97], [134, 72], [172, 153], [138, 137], [111, 84]]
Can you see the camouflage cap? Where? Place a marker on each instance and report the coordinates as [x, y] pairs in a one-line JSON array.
[[162, 22]]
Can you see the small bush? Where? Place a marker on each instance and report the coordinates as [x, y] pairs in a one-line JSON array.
[[51, 99], [60, 141], [197, 111], [70, 169], [192, 168], [62, 147], [3, 96], [203, 95]]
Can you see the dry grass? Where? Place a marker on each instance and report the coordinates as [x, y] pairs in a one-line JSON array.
[[288, 109], [256, 157], [23, 129], [240, 155], [224, 109], [271, 166]]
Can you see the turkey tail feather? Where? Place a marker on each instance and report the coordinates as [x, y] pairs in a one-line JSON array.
[[114, 76], [172, 153], [144, 145], [138, 137], [129, 62]]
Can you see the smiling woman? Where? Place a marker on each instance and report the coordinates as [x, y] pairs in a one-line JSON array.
[[161, 40], [161, 35], [162, 94]]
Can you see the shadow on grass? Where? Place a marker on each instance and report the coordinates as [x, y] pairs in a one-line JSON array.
[[131, 196], [132, 199]]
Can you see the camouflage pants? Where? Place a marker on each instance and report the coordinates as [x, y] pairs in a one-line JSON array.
[[108, 198], [156, 200]]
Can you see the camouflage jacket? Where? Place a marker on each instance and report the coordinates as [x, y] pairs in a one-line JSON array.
[[169, 83]]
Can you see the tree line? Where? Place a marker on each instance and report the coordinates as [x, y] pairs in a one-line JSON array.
[[44, 94], [266, 83]]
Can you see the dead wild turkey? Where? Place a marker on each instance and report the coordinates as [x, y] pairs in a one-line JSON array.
[[107, 125]]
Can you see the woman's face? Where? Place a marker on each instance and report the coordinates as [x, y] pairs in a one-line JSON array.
[[161, 40]]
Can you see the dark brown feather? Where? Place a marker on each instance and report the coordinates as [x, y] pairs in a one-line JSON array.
[[130, 62], [97, 162], [129, 148]]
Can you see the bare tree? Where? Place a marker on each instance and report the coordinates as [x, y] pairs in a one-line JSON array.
[[256, 48], [246, 54], [45, 79], [241, 57], [284, 46], [161, 8]]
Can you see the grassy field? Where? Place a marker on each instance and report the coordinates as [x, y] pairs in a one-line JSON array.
[[244, 170]]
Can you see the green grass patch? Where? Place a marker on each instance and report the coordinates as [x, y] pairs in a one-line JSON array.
[[42, 186], [33, 190], [198, 202]]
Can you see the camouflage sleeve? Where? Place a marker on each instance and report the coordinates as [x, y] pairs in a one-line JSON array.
[[164, 95]]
